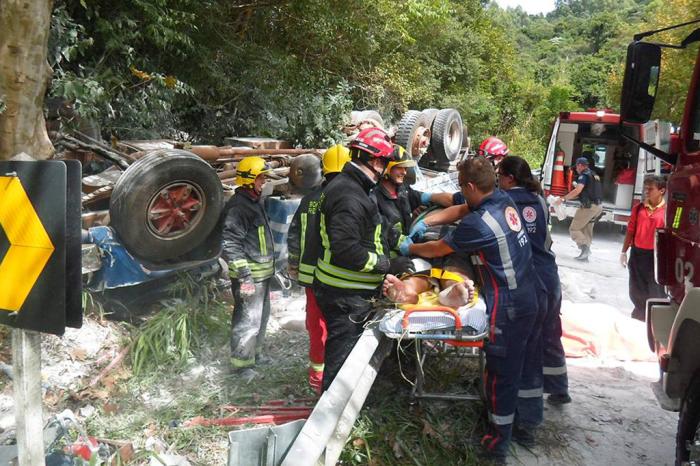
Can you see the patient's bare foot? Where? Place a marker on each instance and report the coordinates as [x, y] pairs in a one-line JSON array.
[[398, 291], [458, 294]]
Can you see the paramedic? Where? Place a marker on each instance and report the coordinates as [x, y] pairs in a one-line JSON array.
[[515, 177], [493, 235], [588, 191], [304, 244], [248, 250], [645, 219], [354, 258]]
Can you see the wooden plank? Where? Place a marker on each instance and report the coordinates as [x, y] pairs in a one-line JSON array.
[[26, 383]]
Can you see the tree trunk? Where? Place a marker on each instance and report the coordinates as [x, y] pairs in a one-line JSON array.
[[24, 75]]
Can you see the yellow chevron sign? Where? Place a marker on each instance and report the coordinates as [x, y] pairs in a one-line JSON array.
[[30, 246]]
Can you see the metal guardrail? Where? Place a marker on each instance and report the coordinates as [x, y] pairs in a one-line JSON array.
[[324, 434]]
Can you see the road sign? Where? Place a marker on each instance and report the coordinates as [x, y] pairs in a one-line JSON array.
[[34, 271]]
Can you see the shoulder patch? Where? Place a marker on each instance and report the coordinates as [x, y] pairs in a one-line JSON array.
[[529, 214], [513, 219]]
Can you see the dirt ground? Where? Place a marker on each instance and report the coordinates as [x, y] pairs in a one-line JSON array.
[[614, 418]]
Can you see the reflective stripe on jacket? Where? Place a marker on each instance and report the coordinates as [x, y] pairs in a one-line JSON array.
[[304, 237]]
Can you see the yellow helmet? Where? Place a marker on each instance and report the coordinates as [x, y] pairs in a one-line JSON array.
[[334, 158], [250, 168], [401, 159]]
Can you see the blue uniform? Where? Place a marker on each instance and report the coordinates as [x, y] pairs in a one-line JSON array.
[[535, 215], [494, 236]]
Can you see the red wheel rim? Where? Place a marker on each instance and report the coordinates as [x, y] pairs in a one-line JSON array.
[[176, 210]]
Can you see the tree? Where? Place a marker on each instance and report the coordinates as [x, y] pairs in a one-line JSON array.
[[24, 75]]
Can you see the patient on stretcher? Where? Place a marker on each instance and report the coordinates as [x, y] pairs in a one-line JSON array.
[[429, 287]]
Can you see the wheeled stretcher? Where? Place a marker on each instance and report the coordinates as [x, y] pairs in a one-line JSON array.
[[438, 329]]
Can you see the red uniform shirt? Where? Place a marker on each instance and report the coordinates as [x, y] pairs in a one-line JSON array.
[[644, 221]]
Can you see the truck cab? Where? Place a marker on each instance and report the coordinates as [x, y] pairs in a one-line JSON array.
[[673, 324], [619, 164]]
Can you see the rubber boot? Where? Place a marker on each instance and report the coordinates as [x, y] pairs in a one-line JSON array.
[[585, 252]]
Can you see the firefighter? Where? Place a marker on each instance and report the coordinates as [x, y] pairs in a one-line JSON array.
[[493, 235], [493, 149], [515, 177], [354, 258], [304, 245], [248, 250], [397, 201]]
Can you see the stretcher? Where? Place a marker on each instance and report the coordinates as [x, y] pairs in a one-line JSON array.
[[435, 329]]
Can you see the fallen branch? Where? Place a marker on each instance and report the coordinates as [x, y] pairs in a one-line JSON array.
[[115, 362]]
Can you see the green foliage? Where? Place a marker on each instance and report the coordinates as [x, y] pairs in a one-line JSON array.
[[175, 332]]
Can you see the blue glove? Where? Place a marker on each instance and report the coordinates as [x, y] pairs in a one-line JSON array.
[[405, 244], [425, 198], [418, 230]]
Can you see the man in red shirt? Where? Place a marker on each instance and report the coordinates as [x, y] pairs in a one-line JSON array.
[[645, 219]]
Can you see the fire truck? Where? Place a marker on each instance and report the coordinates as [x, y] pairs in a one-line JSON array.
[[673, 324], [619, 164]]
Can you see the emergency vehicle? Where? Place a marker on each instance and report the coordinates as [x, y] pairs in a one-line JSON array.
[[673, 324], [620, 165]]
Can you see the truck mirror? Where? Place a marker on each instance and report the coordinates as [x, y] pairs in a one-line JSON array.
[[641, 81]]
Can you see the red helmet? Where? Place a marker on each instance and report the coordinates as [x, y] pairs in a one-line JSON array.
[[374, 142], [493, 148]]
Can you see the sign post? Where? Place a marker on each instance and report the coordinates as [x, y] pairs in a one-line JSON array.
[[40, 283]]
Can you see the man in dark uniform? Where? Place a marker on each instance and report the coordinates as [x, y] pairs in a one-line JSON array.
[[493, 235], [248, 249], [304, 247], [350, 271], [397, 201], [589, 193]]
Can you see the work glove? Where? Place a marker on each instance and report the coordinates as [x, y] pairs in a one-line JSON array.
[[405, 244], [247, 286], [400, 265], [425, 198], [293, 272], [623, 259], [418, 230]]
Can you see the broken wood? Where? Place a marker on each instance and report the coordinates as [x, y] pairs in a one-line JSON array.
[[115, 362]]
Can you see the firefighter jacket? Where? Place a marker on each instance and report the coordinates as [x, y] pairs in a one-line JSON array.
[[247, 238], [397, 212], [354, 255], [304, 237]]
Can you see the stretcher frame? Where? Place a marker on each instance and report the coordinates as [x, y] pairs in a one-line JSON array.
[[474, 346]]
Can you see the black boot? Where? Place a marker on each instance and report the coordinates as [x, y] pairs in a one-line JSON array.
[[585, 252]]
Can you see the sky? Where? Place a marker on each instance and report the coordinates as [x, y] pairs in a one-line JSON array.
[[531, 6]]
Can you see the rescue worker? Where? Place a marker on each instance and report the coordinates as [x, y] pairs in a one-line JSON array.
[[397, 201], [354, 259], [589, 193], [493, 235], [515, 178], [248, 250], [304, 246], [493, 149]]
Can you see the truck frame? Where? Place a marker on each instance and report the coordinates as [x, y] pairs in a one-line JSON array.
[[673, 324]]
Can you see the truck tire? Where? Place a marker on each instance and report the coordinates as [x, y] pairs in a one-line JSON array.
[[430, 115], [688, 423], [446, 139], [413, 127], [165, 204]]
